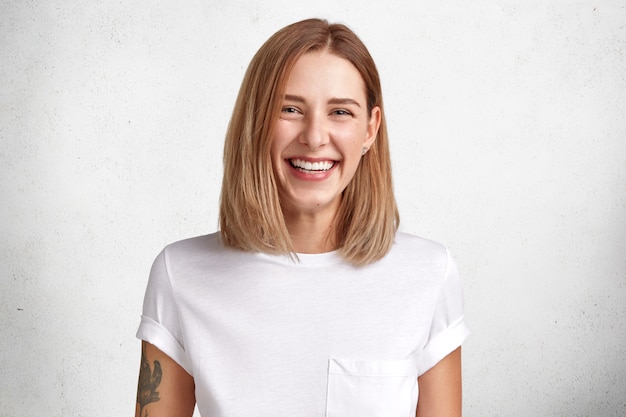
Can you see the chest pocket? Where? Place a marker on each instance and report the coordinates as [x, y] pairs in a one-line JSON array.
[[381, 388]]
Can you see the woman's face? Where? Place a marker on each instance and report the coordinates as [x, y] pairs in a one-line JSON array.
[[322, 130]]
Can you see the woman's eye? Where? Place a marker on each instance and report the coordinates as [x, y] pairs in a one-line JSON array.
[[289, 109], [341, 112]]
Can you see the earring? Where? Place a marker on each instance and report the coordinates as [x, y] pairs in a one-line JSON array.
[[363, 151]]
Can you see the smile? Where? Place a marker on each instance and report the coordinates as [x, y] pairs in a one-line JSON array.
[[306, 166]]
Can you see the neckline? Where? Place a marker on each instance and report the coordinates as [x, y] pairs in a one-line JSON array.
[[306, 259]]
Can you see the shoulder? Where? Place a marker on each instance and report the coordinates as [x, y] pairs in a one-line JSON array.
[[415, 256], [406, 244], [199, 252], [199, 245]]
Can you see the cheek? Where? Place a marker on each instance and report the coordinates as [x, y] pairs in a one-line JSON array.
[[280, 140], [356, 132], [351, 140]]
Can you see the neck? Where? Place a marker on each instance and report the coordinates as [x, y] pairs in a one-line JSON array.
[[311, 233]]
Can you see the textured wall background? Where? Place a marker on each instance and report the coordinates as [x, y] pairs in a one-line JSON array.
[[508, 122]]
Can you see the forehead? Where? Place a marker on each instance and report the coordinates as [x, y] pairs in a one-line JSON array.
[[325, 72]]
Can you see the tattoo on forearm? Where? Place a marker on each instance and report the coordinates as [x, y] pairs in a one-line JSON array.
[[148, 383]]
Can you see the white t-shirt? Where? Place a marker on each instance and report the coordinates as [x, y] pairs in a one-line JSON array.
[[267, 336]]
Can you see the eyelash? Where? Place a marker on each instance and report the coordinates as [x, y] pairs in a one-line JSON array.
[[289, 109], [338, 112]]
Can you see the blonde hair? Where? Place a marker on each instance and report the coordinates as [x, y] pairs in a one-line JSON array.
[[251, 218]]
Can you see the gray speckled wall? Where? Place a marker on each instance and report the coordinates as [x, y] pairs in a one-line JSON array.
[[508, 127]]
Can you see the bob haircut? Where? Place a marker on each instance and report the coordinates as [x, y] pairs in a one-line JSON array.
[[250, 216]]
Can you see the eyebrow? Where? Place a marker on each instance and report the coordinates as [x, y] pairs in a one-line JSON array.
[[334, 100]]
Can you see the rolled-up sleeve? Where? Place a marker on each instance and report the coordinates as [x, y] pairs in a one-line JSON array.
[[448, 329], [160, 321]]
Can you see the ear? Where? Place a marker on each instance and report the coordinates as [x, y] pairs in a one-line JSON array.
[[372, 127]]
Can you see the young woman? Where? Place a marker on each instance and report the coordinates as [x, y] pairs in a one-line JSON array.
[[307, 302]]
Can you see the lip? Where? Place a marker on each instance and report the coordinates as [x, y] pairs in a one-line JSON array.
[[311, 175], [308, 159]]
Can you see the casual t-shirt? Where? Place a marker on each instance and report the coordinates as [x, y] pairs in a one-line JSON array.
[[267, 335]]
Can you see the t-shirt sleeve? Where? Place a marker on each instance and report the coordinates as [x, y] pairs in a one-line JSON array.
[[160, 321], [448, 329]]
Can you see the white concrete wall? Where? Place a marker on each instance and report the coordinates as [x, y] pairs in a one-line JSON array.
[[508, 123]]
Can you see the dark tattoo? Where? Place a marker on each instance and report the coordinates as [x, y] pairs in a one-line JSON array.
[[148, 383]]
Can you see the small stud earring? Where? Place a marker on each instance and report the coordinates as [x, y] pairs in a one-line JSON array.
[[363, 151]]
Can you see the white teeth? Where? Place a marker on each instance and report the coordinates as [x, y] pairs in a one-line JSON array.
[[312, 166]]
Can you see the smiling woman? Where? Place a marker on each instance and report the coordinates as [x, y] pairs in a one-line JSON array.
[[252, 214], [307, 301], [317, 145]]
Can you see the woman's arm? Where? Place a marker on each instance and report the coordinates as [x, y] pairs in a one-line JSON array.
[[165, 389], [440, 388]]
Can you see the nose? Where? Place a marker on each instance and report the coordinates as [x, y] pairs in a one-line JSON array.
[[315, 131]]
